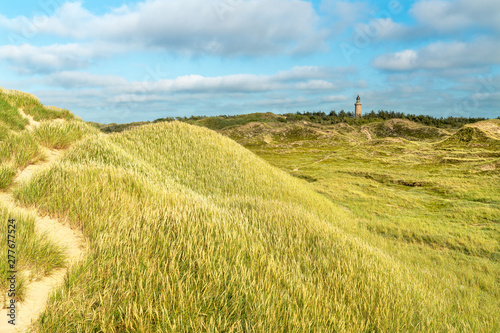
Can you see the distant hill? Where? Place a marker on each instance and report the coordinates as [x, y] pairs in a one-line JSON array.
[[188, 230], [268, 128], [484, 134], [400, 128]]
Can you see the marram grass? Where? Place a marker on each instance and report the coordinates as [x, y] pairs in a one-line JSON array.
[[35, 256], [434, 208], [190, 232], [32, 106], [61, 134]]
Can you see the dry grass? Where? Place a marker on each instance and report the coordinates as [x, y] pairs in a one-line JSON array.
[[432, 207], [188, 231], [191, 232], [35, 255], [19, 147]]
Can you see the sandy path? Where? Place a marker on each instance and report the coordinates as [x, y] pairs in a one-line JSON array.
[[38, 292], [315, 162], [32, 123], [367, 133]]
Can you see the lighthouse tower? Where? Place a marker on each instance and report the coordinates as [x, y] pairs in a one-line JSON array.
[[358, 107]]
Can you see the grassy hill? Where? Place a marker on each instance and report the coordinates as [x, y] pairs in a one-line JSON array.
[[430, 202], [190, 231], [405, 129], [20, 146], [481, 134]]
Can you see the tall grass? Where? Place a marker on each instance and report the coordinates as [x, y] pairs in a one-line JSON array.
[[7, 174], [35, 255], [9, 117], [60, 135], [17, 150], [188, 231], [19, 147], [32, 106], [434, 208]]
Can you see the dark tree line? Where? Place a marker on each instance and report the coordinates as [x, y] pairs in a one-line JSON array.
[[333, 117], [348, 117]]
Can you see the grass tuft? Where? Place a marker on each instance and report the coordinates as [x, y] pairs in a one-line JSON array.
[[7, 174], [60, 135], [35, 255]]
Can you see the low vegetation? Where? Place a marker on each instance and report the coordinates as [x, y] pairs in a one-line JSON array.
[[60, 135], [430, 202], [20, 146], [35, 256], [316, 227], [32, 106], [189, 231], [405, 129]]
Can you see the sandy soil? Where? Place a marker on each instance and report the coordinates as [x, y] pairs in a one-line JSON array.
[[38, 292], [32, 123], [367, 133]]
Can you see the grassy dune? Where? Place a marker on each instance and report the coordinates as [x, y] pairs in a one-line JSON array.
[[433, 205], [189, 231], [19, 146], [36, 257]]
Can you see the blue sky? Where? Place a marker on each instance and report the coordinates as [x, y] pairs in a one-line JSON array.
[[122, 61]]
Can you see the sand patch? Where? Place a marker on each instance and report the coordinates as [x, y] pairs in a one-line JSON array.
[[38, 292]]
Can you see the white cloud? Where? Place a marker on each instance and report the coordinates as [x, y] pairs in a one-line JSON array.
[[125, 100], [112, 99], [346, 13], [190, 26], [455, 16], [316, 85], [404, 60], [313, 72], [334, 98], [72, 80], [433, 17], [29, 59], [385, 29], [440, 56], [306, 78]]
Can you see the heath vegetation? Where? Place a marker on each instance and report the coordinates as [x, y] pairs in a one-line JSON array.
[[314, 228]]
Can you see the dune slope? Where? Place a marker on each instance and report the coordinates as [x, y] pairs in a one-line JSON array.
[[189, 231]]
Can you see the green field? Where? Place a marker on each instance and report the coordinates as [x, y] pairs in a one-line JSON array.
[[268, 225], [428, 199]]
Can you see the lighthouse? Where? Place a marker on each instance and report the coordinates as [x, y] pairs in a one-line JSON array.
[[357, 106]]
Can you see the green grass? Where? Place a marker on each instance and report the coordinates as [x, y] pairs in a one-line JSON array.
[[32, 106], [9, 117], [35, 255], [60, 135], [220, 122], [20, 147], [7, 173], [318, 230], [407, 199], [405, 129], [188, 231], [471, 137], [17, 150]]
